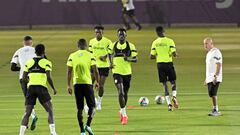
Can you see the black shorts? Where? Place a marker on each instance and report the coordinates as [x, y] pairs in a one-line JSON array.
[[166, 72], [24, 87], [37, 91], [130, 13], [103, 71], [213, 89], [81, 91], [124, 79]]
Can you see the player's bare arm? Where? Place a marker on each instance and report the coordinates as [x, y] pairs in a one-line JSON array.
[[50, 81], [69, 78]]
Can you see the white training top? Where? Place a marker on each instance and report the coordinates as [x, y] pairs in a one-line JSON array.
[[213, 56], [129, 5], [21, 56]]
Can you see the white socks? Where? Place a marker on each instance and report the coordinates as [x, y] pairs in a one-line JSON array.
[[168, 100], [123, 111], [52, 129], [215, 107], [99, 100], [22, 130], [174, 93], [33, 114]]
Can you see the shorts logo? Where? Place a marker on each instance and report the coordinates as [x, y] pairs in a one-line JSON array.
[[115, 81]]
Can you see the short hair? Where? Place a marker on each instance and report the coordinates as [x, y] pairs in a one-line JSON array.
[[99, 27], [39, 49], [122, 30], [82, 42], [27, 38], [159, 29]]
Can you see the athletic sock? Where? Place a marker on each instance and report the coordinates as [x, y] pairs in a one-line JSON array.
[[168, 100], [99, 100], [52, 129], [22, 129], [123, 111], [174, 93], [215, 107], [33, 114]]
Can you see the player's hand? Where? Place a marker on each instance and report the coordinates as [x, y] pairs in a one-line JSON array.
[[125, 57], [54, 92], [111, 66], [96, 86], [204, 83], [214, 80], [69, 90]]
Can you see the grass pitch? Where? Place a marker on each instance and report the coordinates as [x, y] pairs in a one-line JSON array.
[[190, 119]]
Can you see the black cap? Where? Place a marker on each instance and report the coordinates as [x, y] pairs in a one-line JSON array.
[[26, 38]]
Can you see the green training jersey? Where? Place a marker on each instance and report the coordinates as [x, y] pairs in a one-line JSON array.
[[81, 62], [100, 48], [122, 66], [163, 48], [36, 69]]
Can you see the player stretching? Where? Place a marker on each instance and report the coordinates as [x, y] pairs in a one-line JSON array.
[[162, 50], [213, 73], [99, 47], [79, 65], [37, 73], [123, 53], [20, 57], [128, 11]]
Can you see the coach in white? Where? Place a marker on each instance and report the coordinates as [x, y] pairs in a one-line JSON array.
[[19, 59], [213, 73]]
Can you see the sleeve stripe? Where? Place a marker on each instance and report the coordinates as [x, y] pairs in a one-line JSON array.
[[93, 59], [48, 66], [70, 60], [172, 46], [90, 46], [133, 50], [153, 48], [15, 56]]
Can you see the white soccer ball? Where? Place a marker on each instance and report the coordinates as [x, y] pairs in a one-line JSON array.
[[143, 101], [159, 99]]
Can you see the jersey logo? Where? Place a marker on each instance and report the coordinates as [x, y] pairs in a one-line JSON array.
[[81, 54], [217, 58]]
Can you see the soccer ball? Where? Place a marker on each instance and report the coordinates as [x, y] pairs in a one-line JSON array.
[[159, 99], [143, 101]]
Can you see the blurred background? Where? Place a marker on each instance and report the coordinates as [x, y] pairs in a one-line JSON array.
[[29, 13]]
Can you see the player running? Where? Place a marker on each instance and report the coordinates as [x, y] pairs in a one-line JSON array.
[[213, 73], [79, 65], [19, 59], [123, 53], [163, 48], [128, 11], [37, 73], [98, 46]]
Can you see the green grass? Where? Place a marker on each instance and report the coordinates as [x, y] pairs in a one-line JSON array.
[[190, 119]]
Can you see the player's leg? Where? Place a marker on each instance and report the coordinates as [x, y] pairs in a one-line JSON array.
[[33, 114], [126, 86], [132, 15], [125, 19], [45, 99], [163, 79], [118, 81], [25, 119], [212, 91], [172, 78], [30, 101], [79, 96], [89, 95]]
